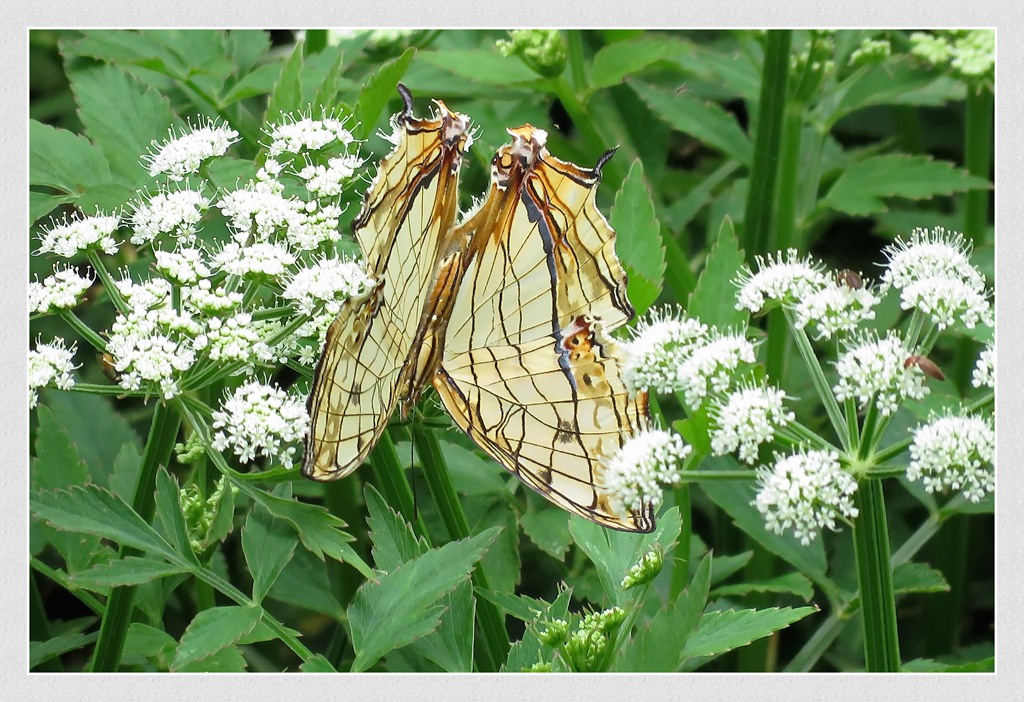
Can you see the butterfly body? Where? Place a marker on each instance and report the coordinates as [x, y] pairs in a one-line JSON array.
[[507, 314]]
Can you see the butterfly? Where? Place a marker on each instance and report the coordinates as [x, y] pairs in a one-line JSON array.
[[506, 313]]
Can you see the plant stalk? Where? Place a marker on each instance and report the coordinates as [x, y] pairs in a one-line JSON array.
[[874, 576]]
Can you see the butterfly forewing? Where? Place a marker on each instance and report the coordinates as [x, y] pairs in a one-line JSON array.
[[403, 230]]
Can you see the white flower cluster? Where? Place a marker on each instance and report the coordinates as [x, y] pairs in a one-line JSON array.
[[60, 291], [805, 492], [68, 238], [50, 364], [207, 300], [835, 308], [330, 180], [260, 211], [186, 266], [306, 134], [268, 260], [176, 213], [153, 343], [236, 338], [985, 369], [634, 476], [183, 154], [746, 419], [257, 419], [876, 368], [955, 452], [658, 346], [934, 274], [783, 279], [711, 365], [319, 291]]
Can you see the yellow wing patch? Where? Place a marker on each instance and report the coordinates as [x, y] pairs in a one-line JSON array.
[[507, 315]]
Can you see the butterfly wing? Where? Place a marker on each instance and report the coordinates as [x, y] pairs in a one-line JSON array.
[[403, 230], [528, 369]]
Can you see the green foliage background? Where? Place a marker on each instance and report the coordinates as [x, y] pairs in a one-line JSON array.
[[864, 153]]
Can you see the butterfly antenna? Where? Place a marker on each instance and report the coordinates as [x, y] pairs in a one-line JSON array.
[[406, 98]]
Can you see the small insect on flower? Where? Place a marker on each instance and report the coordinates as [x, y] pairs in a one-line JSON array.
[[955, 452], [634, 476], [927, 366], [183, 154], [870, 367], [835, 308], [50, 364]]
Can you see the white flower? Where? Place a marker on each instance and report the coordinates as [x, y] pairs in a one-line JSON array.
[[260, 419], [746, 419], [184, 266], [835, 308], [177, 213], [67, 238], [50, 364], [307, 134], [256, 210], [236, 338], [946, 300], [60, 291], [805, 492], [153, 344], [710, 366], [315, 227], [873, 367], [658, 345], [207, 300], [634, 476], [929, 254], [320, 290], [269, 260], [955, 452], [784, 278], [330, 180], [985, 369], [181, 155]]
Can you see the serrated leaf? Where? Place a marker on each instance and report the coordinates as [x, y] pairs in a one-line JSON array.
[[404, 605], [522, 607], [122, 116], [794, 583], [42, 204], [268, 545], [93, 510], [713, 301], [169, 512], [41, 651], [260, 81], [917, 577], [213, 630], [105, 197], [223, 518], [63, 160], [327, 93], [97, 429], [481, 66], [861, 188], [317, 664], [549, 529], [377, 91], [724, 566], [705, 121], [615, 552], [304, 583], [147, 642], [287, 93], [638, 238], [121, 47], [226, 660], [612, 63], [394, 542], [529, 649], [723, 631], [451, 644], [125, 474], [131, 570]]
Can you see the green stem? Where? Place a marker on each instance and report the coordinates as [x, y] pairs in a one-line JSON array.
[[835, 415], [871, 431], [94, 339], [61, 578], [790, 177], [891, 452], [613, 171], [162, 432], [764, 172], [874, 576], [978, 160], [115, 390], [577, 67], [494, 650], [108, 282], [393, 484]]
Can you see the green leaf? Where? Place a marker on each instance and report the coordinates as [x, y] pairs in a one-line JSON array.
[[105, 197], [213, 630], [713, 301], [657, 645], [268, 545], [65, 161], [481, 66], [304, 583], [917, 577], [612, 63], [261, 81], [98, 430], [638, 239], [327, 93], [404, 605], [615, 552], [226, 660], [723, 631], [125, 475], [42, 651], [168, 510], [394, 542], [705, 121], [42, 204], [223, 519], [287, 94], [317, 664], [522, 607], [529, 649], [93, 510], [377, 91], [122, 116], [861, 188], [146, 642], [724, 566], [131, 570], [794, 583], [451, 644], [549, 529]]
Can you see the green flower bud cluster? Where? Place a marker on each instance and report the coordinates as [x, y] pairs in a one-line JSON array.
[[543, 50], [646, 570], [968, 55]]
